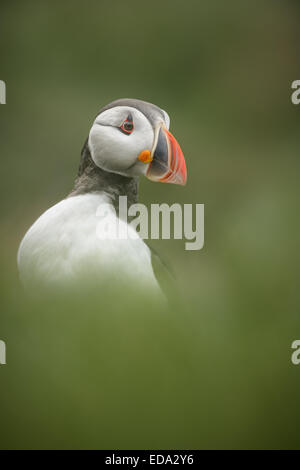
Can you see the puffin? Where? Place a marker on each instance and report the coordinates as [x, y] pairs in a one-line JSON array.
[[128, 139]]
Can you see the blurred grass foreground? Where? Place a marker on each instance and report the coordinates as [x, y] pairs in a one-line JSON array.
[[214, 369]]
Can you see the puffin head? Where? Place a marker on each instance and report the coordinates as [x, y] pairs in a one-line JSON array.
[[131, 138]]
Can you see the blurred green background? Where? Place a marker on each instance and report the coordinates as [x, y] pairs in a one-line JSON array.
[[214, 371]]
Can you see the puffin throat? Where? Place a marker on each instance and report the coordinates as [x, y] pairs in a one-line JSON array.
[[92, 179]]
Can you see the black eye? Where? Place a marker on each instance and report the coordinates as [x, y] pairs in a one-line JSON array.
[[127, 126]]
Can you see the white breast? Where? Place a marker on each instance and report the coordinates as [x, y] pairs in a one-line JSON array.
[[69, 242]]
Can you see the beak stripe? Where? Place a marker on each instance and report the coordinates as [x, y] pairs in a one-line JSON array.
[[168, 164]]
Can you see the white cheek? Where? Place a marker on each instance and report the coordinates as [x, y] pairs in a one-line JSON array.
[[107, 152], [114, 151], [167, 119]]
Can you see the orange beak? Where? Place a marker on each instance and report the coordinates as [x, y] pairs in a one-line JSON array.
[[168, 164]]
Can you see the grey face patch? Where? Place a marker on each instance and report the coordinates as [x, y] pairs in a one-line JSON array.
[[152, 112]]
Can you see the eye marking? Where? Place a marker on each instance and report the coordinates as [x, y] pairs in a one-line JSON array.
[[127, 126]]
